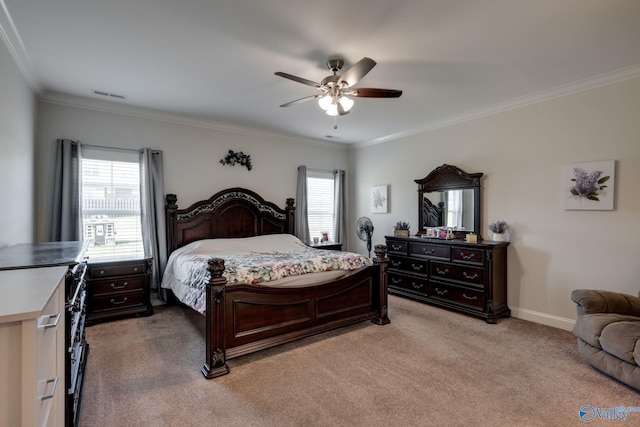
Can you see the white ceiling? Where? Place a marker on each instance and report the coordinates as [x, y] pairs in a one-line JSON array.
[[213, 61]]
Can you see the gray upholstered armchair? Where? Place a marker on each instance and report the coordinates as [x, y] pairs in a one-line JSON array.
[[608, 331]]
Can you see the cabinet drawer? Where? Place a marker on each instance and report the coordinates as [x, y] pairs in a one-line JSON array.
[[99, 271], [430, 251], [459, 273], [468, 256], [397, 246], [409, 283], [410, 265], [117, 302], [127, 284], [458, 295]]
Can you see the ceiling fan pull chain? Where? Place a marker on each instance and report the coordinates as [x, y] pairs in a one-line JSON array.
[[335, 122]]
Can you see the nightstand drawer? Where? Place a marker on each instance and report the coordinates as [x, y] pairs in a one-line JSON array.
[[117, 285], [118, 302], [123, 269]]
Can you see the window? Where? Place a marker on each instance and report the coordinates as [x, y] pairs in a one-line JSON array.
[[110, 203], [321, 203]]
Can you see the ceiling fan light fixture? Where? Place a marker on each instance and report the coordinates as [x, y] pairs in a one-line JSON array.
[[332, 110], [346, 103], [325, 102]]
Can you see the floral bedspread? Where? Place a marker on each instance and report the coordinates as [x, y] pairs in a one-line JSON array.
[[254, 267]]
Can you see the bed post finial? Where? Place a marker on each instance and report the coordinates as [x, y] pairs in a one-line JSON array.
[[291, 222], [216, 364]]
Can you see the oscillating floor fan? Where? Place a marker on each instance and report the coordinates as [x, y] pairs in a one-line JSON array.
[[365, 231]]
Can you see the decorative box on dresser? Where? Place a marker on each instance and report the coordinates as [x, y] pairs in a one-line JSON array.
[[470, 278], [34, 259], [119, 288]]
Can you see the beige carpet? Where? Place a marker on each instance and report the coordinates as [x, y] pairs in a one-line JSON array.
[[429, 367]]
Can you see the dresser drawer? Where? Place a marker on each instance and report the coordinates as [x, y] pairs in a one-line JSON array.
[[413, 284], [397, 246], [430, 251], [459, 295], [459, 273], [407, 264], [117, 285], [121, 269], [468, 256], [117, 302]]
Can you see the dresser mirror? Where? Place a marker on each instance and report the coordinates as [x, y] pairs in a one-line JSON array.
[[449, 197]]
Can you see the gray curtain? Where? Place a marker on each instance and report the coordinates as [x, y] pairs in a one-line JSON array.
[[153, 217], [302, 225], [65, 199], [340, 225]]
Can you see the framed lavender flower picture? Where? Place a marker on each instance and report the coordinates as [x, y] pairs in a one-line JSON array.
[[589, 186]]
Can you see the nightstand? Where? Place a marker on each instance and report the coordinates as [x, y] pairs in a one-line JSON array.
[[331, 246], [118, 288]]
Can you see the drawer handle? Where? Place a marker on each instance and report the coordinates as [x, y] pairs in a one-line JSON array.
[[101, 272], [465, 296], [396, 263], [442, 272], [417, 267], [418, 287], [135, 269], [124, 285], [396, 281], [467, 257], [439, 292], [114, 302], [470, 276], [426, 251], [53, 388], [52, 323], [396, 247]]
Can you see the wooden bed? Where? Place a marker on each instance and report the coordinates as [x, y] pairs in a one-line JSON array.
[[243, 318]]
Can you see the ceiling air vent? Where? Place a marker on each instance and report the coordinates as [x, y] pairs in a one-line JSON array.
[[108, 94]]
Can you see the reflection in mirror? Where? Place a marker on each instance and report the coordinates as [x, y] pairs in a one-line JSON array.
[[449, 208], [450, 197]]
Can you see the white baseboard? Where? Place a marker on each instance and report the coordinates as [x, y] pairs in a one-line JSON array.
[[543, 318]]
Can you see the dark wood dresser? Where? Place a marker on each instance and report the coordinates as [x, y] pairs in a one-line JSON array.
[[119, 288], [470, 278], [70, 254]]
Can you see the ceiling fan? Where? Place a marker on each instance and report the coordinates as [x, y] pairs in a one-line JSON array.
[[336, 90]]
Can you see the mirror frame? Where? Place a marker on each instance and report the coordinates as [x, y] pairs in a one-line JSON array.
[[448, 177]]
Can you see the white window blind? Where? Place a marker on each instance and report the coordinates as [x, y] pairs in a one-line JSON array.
[[110, 202], [320, 203]]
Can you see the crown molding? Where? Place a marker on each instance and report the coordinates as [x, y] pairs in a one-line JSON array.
[[589, 83], [12, 40], [114, 107]]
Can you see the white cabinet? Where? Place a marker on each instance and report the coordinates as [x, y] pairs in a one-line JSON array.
[[32, 347]]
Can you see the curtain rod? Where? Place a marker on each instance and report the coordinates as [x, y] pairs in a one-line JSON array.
[[109, 148]]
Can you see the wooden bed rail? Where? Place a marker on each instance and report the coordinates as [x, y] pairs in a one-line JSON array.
[[361, 296]]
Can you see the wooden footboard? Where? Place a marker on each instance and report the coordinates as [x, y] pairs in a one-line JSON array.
[[241, 319]]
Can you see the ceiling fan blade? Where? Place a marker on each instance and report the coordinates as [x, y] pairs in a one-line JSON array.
[[305, 99], [357, 71], [298, 79], [341, 110], [374, 93]]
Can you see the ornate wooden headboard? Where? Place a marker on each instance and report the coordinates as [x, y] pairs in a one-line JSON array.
[[234, 212]]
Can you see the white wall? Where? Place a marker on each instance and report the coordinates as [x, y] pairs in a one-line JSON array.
[[191, 155], [17, 124], [522, 153]]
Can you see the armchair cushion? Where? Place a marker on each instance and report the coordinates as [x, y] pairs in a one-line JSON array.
[[622, 339], [594, 301]]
